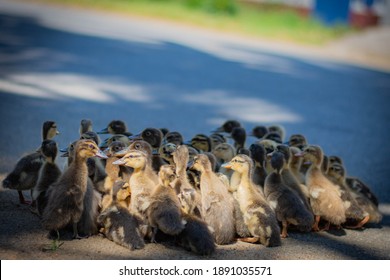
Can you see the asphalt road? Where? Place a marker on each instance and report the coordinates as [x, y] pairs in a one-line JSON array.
[[64, 65]]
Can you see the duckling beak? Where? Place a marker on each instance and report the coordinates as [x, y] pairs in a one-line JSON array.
[[100, 154], [190, 164], [269, 155], [300, 154], [103, 131], [135, 137], [107, 152], [65, 154], [64, 150], [119, 162], [57, 132], [227, 165], [218, 130]]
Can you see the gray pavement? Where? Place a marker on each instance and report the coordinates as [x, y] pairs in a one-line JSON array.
[[63, 64]]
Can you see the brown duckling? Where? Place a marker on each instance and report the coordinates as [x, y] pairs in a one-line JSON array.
[[269, 146], [118, 224], [164, 211], [142, 182], [65, 203], [259, 131], [356, 216], [25, 174], [201, 143], [48, 174], [279, 129], [296, 163], [224, 152], [190, 198], [116, 127], [288, 205], [217, 205], [116, 137], [258, 215], [228, 126], [166, 152], [174, 137], [297, 140], [325, 197], [238, 134]]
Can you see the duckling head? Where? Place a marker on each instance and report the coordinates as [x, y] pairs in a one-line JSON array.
[[49, 149], [279, 129], [201, 142], [297, 140], [216, 139], [273, 135], [91, 135], [117, 137], [174, 137], [335, 159], [201, 163], [135, 159], [228, 126], [85, 126], [259, 131], [314, 155], [257, 153], [192, 152], [49, 130], [115, 147], [224, 152], [87, 148], [153, 136], [337, 171], [285, 150], [269, 145], [115, 127], [167, 175], [296, 159], [278, 161], [166, 151], [240, 163]]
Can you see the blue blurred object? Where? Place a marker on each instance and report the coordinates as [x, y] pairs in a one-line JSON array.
[[332, 12]]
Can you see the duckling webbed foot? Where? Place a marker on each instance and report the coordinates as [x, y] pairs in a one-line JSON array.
[[315, 226], [249, 239], [284, 233], [360, 224]]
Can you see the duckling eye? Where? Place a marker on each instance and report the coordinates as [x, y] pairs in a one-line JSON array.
[[137, 146], [148, 133], [90, 146]]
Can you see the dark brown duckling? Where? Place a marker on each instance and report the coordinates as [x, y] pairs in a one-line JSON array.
[[258, 156], [279, 129], [201, 143], [297, 140], [216, 202], [238, 134], [48, 174], [65, 203], [288, 205], [258, 216], [259, 131], [228, 126], [216, 139], [166, 152], [164, 211], [24, 176], [116, 127], [85, 126]]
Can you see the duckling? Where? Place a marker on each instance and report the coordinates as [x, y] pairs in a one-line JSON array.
[[118, 225], [91, 135], [142, 182], [116, 127], [258, 215], [166, 152], [335, 159], [325, 197], [355, 214], [269, 146], [201, 142], [279, 129], [217, 205], [85, 126], [164, 131], [258, 156], [116, 137], [239, 136], [290, 180], [216, 139], [288, 205], [189, 197], [213, 160], [48, 174], [296, 163], [360, 187], [274, 136], [259, 131], [154, 137], [174, 137], [224, 152], [243, 151], [164, 211], [65, 203], [196, 236], [24, 176], [228, 126], [297, 140]]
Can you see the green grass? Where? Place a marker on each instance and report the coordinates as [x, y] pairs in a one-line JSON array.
[[271, 22]]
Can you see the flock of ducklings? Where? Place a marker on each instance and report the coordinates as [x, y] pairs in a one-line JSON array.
[[153, 186]]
